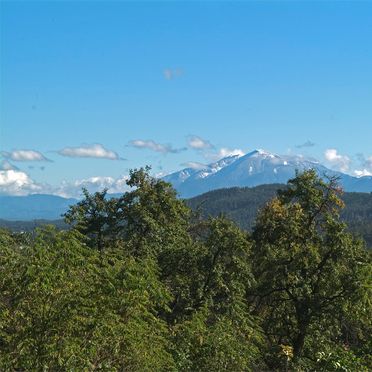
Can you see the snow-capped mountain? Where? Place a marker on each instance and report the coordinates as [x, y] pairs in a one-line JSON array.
[[255, 168], [188, 174]]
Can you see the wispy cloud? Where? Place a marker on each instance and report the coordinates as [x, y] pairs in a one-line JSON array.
[[6, 165], [24, 155], [193, 165], [89, 151], [198, 143], [308, 143], [365, 161], [172, 73], [209, 151], [155, 146], [341, 162]]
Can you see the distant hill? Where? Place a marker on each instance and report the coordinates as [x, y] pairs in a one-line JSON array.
[[33, 207], [242, 204], [36, 207]]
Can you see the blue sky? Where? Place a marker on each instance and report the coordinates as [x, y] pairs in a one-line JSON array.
[[88, 84]]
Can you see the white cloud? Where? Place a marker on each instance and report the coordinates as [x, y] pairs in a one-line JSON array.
[[208, 150], [224, 152], [341, 162], [14, 182], [198, 143], [155, 146], [24, 155], [362, 173], [89, 151]]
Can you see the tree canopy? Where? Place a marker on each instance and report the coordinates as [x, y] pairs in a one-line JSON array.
[[140, 283]]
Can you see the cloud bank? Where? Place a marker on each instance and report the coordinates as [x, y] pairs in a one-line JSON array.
[[13, 182], [92, 184]]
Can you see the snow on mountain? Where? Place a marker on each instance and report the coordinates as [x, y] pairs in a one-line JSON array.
[[255, 168], [188, 174]]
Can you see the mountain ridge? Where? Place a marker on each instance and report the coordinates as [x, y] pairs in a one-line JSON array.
[[255, 168]]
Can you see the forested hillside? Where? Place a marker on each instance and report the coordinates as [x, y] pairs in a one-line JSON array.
[[242, 204], [28, 226], [141, 283]]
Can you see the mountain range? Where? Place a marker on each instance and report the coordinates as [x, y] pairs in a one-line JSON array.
[[255, 168]]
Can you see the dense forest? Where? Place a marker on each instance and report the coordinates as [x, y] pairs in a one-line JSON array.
[[144, 283], [241, 205]]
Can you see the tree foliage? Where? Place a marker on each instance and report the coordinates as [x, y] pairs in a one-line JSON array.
[[307, 266], [140, 284]]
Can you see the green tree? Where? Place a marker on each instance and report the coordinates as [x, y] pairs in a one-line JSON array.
[[152, 216], [307, 266], [214, 330], [65, 306], [144, 220], [213, 269], [95, 217], [213, 342]]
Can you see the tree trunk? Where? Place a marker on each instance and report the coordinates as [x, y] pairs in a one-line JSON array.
[[299, 342]]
